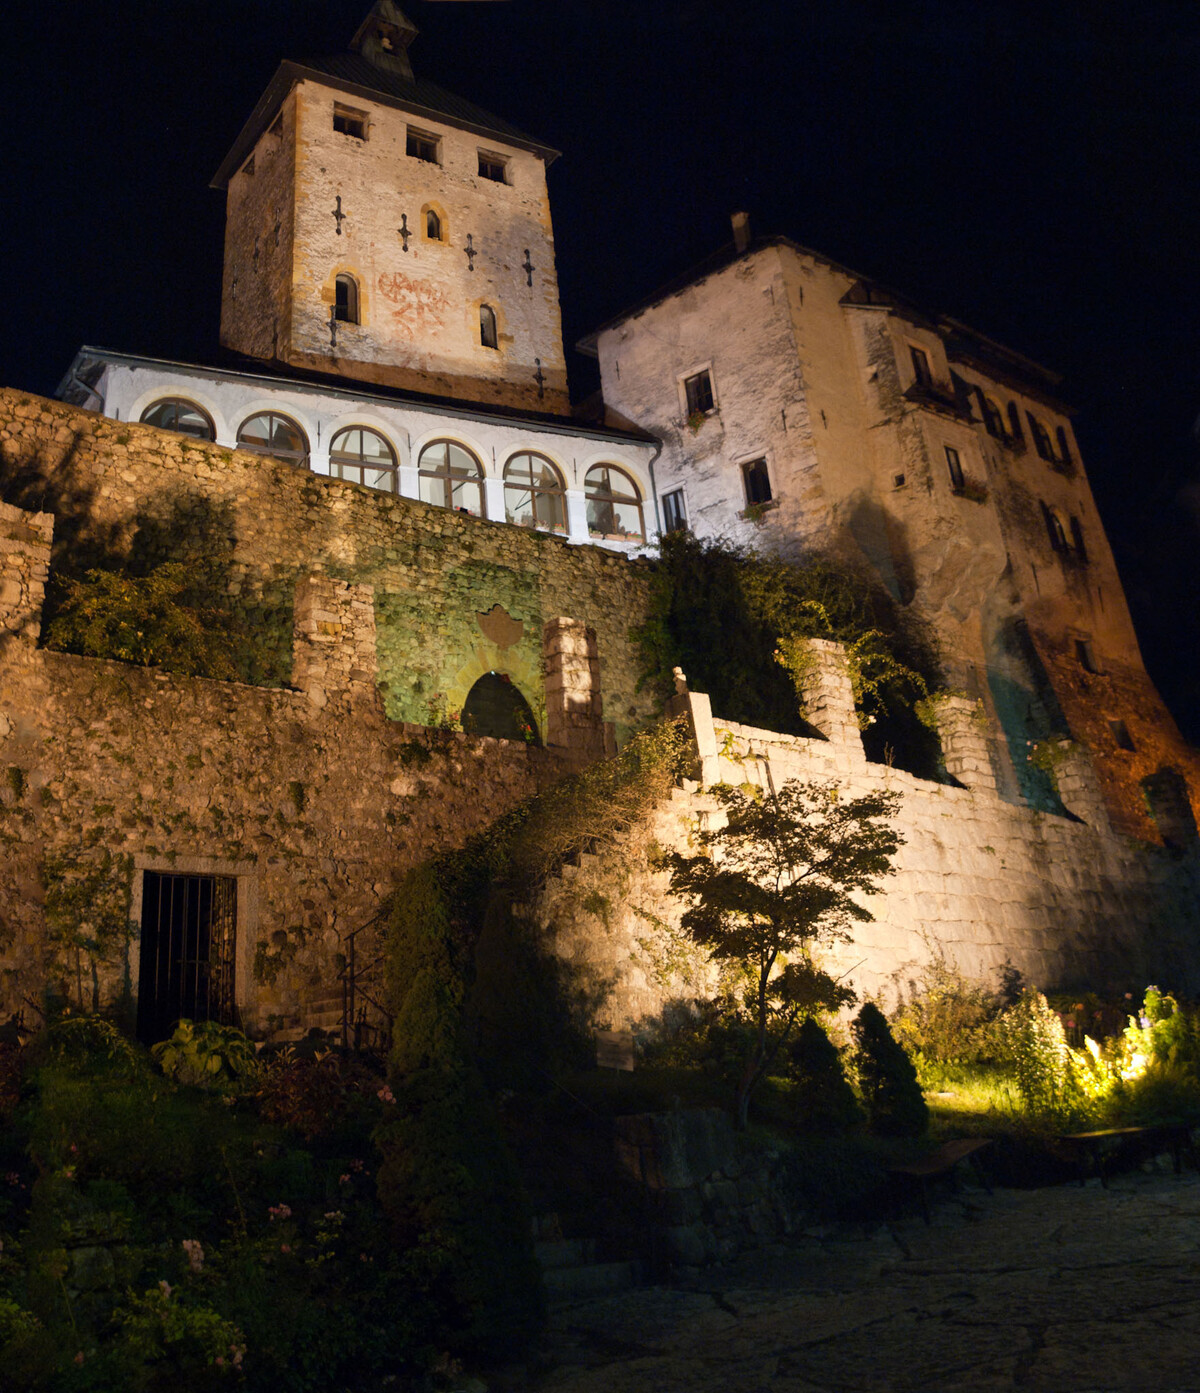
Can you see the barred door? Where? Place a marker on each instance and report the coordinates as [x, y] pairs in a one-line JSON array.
[[189, 926]]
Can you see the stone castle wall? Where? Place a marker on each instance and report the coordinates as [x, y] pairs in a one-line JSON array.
[[311, 799], [980, 880], [116, 486]]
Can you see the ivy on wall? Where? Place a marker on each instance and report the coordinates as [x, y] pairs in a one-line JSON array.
[[737, 623]]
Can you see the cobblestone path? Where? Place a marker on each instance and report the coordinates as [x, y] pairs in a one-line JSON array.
[[1066, 1290]]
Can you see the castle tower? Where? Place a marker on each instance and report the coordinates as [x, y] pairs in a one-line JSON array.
[[386, 231]]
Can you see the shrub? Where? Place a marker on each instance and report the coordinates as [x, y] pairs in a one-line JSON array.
[[887, 1078], [447, 1179], [206, 1054], [304, 1095], [145, 619], [946, 1019], [1056, 1084], [824, 1101]]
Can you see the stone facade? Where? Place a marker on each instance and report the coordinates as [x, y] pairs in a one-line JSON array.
[[326, 184], [978, 879], [311, 799], [938, 461], [112, 485]]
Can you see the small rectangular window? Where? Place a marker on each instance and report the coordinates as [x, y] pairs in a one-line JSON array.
[[674, 511], [347, 121], [757, 482], [954, 465], [921, 368], [699, 392], [1084, 655], [1120, 733], [422, 146], [494, 167]]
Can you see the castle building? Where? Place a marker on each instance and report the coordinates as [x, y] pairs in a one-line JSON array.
[[410, 530], [805, 408]]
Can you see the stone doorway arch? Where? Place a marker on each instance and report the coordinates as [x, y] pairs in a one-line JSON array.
[[495, 706]]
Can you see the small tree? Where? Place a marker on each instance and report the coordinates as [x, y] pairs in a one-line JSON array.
[[895, 1104], [773, 885]]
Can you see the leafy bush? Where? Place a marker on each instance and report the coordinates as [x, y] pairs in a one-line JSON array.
[[206, 1054], [737, 622], [947, 1017], [1049, 1075], [887, 1078], [150, 619], [447, 1178], [824, 1100]]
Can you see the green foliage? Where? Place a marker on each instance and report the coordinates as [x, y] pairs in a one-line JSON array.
[[824, 1101], [736, 622], [152, 620], [771, 886], [947, 1018], [206, 1054], [447, 1177], [162, 1239], [887, 1078], [1051, 1078], [87, 923]]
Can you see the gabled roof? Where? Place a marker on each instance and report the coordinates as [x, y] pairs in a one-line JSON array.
[[355, 76]]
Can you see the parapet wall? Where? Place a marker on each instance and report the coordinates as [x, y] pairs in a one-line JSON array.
[[1067, 900], [438, 576]]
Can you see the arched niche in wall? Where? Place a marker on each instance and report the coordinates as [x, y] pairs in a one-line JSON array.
[[495, 707]]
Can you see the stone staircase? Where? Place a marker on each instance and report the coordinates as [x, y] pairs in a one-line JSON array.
[[570, 1271]]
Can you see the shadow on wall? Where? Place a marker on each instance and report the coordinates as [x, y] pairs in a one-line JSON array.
[[881, 539], [1026, 707], [179, 526]]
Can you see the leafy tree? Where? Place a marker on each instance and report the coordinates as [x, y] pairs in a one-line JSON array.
[[772, 885], [895, 1103]]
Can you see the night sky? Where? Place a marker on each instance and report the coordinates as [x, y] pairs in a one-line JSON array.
[[1027, 168]]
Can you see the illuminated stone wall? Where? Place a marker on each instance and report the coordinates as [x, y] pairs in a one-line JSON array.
[[311, 799], [114, 486], [419, 298], [1065, 899]]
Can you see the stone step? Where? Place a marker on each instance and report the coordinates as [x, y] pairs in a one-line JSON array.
[[565, 1284], [565, 1252]]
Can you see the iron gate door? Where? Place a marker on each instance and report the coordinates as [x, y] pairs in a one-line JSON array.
[[189, 929]]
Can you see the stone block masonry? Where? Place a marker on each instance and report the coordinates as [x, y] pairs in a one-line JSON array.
[[979, 880]]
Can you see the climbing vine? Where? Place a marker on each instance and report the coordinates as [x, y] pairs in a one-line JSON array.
[[738, 624]]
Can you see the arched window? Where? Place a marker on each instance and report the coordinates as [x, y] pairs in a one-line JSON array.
[[364, 457], [433, 226], [269, 433], [345, 302], [614, 506], [1055, 530], [495, 707], [451, 477], [177, 413], [487, 326], [533, 494]]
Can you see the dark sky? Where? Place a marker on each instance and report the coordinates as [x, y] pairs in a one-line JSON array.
[[1026, 167]]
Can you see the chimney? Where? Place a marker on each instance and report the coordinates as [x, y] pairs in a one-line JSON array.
[[741, 230]]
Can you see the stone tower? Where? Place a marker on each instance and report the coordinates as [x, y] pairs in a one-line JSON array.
[[384, 230]]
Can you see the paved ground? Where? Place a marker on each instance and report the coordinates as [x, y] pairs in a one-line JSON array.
[[1066, 1290]]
